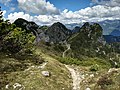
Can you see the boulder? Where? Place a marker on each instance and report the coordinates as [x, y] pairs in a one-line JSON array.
[[45, 73]]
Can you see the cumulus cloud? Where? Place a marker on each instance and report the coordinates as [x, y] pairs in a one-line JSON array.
[[90, 14], [13, 16], [93, 14], [37, 6], [108, 2]]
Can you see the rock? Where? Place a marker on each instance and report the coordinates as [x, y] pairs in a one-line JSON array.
[[92, 75], [87, 89], [17, 85], [7, 86], [83, 76], [43, 65], [112, 70], [46, 73]]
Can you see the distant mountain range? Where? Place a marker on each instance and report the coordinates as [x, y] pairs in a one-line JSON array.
[[110, 38], [59, 33], [110, 27]]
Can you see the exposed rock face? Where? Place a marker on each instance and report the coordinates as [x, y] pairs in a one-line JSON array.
[[58, 33]]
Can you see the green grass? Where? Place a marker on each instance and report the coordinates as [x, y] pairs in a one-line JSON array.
[[29, 75]]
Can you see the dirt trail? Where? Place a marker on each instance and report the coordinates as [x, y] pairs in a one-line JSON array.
[[76, 76], [68, 48]]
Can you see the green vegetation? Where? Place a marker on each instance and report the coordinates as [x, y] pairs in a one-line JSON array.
[[94, 67], [94, 63], [29, 75], [21, 60], [15, 40]]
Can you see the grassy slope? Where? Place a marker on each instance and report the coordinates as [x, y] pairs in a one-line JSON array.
[[31, 78], [101, 80]]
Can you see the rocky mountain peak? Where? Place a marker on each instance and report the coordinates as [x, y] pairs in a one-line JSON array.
[[58, 33]]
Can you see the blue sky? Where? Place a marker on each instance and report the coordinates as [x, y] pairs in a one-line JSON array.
[[72, 5], [64, 11]]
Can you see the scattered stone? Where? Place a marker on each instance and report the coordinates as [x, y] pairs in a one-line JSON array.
[[33, 66], [43, 65], [87, 89], [83, 76], [7, 86], [17, 85], [92, 75], [112, 69], [96, 73], [32, 73], [6, 55], [46, 73]]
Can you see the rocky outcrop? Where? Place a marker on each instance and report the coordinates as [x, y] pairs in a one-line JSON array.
[[58, 33], [30, 27]]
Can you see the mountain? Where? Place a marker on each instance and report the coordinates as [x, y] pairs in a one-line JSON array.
[[107, 25], [28, 26], [58, 33], [110, 26], [76, 29], [73, 25], [39, 32], [87, 40], [111, 38], [55, 33], [115, 33]]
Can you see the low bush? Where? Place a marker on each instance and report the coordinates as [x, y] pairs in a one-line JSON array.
[[104, 81], [94, 67]]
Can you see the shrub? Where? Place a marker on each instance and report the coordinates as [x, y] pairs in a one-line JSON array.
[[103, 81], [18, 40], [94, 67], [68, 60]]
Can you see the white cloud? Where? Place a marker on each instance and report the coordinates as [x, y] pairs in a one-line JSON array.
[[13, 16], [37, 6], [108, 2], [93, 14], [89, 14]]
